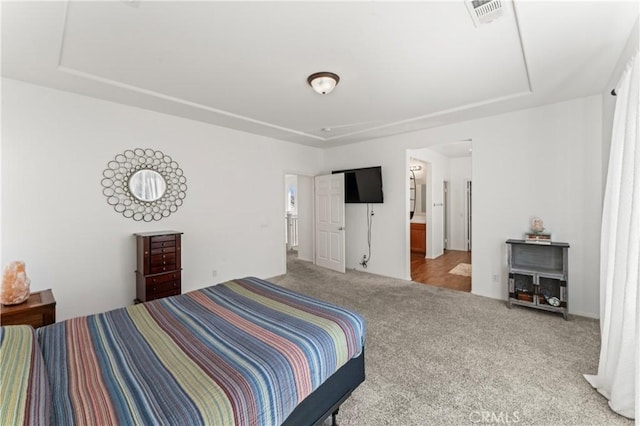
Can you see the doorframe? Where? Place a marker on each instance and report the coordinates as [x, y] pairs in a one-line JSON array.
[[409, 154], [446, 200], [284, 213], [468, 214]]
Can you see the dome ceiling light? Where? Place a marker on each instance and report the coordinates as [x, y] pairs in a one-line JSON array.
[[323, 82]]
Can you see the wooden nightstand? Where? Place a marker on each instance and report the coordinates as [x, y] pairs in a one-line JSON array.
[[39, 310]]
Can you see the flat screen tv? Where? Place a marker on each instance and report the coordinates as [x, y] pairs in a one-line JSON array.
[[362, 185]]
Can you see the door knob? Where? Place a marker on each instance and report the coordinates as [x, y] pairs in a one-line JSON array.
[[341, 228]]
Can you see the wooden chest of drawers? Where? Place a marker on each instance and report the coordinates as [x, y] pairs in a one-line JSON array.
[[159, 264]]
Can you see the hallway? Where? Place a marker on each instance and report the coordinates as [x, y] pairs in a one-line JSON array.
[[436, 271]]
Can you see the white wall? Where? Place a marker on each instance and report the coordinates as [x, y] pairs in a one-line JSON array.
[[55, 146], [457, 171], [459, 175], [386, 226], [543, 162]]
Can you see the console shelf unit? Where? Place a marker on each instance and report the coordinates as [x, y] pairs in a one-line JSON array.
[[538, 273]]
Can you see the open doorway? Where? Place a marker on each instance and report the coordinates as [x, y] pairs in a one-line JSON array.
[[446, 261], [298, 217]]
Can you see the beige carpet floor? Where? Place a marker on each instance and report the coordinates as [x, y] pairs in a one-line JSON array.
[[442, 357]]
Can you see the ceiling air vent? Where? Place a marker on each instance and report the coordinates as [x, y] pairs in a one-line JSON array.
[[484, 11]]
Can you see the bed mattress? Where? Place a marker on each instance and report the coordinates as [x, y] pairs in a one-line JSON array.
[[245, 352]]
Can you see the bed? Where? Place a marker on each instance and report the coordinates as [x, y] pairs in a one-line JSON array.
[[245, 352]]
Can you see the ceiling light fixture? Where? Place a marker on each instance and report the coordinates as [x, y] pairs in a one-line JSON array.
[[323, 82]]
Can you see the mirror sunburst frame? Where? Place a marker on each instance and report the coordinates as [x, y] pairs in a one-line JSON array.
[[144, 184]]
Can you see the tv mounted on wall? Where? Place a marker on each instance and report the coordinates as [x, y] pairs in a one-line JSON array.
[[362, 185]]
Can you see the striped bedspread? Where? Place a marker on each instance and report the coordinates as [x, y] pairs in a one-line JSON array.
[[245, 352], [24, 392]]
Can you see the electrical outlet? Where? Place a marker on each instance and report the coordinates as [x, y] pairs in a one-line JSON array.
[[496, 278], [214, 273]]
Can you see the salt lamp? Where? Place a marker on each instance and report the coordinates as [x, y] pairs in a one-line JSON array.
[[15, 284]]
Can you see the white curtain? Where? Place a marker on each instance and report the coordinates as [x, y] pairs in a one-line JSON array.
[[619, 366]]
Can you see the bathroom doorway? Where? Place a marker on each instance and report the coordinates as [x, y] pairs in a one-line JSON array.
[[445, 216]]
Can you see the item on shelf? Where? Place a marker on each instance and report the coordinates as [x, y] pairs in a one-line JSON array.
[[537, 233], [553, 301], [542, 238], [527, 297], [537, 225], [547, 297], [15, 284]]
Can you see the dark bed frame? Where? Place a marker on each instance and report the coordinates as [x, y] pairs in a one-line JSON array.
[[325, 401]]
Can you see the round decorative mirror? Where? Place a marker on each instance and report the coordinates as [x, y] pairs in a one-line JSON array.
[[144, 184], [147, 185]]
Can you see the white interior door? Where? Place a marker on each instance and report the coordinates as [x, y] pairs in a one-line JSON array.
[[445, 212], [330, 234], [468, 204]]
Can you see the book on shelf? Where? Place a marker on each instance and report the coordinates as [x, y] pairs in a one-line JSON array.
[[537, 237]]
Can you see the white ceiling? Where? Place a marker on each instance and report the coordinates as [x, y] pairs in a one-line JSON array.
[[403, 65]]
